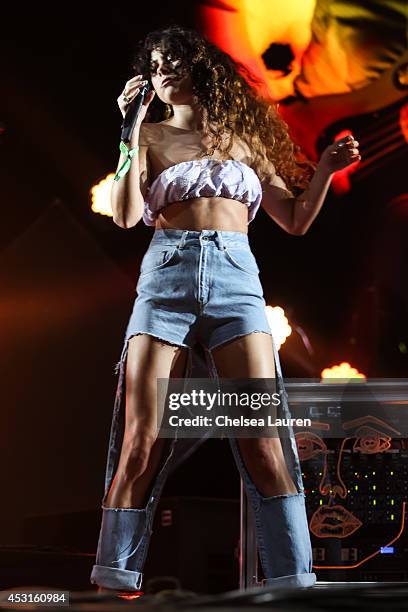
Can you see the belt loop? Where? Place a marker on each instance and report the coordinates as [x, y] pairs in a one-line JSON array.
[[183, 239], [219, 240]]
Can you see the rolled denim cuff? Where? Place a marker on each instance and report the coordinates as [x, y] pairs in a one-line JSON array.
[[112, 578], [295, 580]]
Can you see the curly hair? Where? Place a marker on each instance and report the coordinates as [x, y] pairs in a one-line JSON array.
[[224, 90]]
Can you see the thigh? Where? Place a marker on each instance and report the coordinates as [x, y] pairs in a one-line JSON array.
[[148, 359], [250, 356]]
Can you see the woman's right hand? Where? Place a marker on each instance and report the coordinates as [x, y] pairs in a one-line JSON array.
[[132, 88]]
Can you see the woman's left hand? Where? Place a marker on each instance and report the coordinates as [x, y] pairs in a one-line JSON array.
[[340, 154]]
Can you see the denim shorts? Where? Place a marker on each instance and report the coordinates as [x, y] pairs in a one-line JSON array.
[[201, 288], [198, 287]]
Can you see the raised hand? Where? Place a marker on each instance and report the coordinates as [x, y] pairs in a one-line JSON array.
[[132, 88], [340, 154]]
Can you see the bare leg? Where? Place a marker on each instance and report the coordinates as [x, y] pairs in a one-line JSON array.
[[147, 359], [251, 356]]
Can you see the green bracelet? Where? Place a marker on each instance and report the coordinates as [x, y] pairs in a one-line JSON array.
[[126, 164]]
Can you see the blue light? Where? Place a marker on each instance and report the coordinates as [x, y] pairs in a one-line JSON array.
[[387, 550]]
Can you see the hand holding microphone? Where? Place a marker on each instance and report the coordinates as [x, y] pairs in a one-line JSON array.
[[133, 104]]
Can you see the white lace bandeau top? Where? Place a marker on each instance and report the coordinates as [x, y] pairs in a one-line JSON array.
[[204, 177]]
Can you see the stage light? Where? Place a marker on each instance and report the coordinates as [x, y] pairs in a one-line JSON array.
[[130, 596], [100, 196], [387, 550], [403, 121], [278, 323], [344, 370], [402, 347]]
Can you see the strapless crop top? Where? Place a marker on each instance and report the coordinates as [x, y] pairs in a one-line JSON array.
[[204, 177]]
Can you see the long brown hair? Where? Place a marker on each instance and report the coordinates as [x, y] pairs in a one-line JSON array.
[[225, 92]]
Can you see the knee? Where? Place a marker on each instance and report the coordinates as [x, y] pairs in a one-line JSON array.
[[261, 457], [137, 450], [268, 464]]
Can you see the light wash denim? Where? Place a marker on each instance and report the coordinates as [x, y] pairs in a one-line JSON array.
[[201, 287]]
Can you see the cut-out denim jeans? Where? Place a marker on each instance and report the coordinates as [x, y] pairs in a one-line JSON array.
[[201, 286]]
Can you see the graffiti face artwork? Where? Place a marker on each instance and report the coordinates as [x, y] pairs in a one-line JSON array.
[[348, 496]]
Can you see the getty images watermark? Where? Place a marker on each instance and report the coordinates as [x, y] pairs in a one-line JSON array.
[[374, 410], [238, 407]]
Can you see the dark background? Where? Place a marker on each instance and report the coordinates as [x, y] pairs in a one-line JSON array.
[[68, 275]]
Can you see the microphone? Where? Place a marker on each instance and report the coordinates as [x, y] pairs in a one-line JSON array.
[[132, 113]]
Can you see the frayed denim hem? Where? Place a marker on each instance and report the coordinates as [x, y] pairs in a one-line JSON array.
[[237, 335]]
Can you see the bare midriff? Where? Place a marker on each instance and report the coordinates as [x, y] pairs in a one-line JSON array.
[[198, 214], [167, 145]]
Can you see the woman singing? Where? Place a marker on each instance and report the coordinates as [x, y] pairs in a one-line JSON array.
[[197, 174]]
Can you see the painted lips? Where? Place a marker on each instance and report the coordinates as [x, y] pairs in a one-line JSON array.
[[334, 521]]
